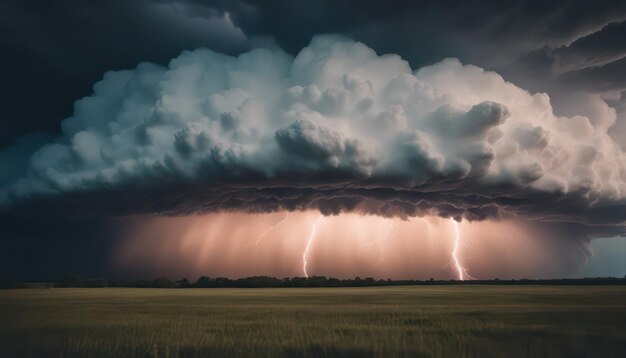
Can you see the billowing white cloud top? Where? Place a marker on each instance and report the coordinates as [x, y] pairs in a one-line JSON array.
[[338, 120]]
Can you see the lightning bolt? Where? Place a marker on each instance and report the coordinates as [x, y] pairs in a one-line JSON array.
[[257, 242], [461, 271], [379, 241], [309, 241]]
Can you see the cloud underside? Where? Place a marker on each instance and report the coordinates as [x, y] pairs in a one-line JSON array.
[[190, 199], [337, 128]]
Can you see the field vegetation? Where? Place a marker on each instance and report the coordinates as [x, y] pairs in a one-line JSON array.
[[428, 321]]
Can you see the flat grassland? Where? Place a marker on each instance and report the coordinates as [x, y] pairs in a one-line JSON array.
[[438, 321]]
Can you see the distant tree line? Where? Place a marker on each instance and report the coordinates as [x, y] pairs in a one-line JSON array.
[[7, 281]]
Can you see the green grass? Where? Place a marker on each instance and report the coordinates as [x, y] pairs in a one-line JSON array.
[[438, 321]]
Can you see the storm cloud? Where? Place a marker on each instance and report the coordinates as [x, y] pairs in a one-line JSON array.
[[54, 51], [336, 128]]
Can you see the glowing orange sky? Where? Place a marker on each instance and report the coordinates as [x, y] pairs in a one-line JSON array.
[[238, 245]]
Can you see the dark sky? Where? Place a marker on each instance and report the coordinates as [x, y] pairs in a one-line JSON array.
[[54, 51]]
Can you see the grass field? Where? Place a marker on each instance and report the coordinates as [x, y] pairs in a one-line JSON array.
[[471, 321]]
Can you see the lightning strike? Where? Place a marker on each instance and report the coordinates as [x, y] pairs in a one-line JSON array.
[[257, 242], [379, 242], [310, 239], [461, 271]]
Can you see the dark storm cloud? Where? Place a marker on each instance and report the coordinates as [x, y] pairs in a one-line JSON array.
[[53, 51], [592, 63], [601, 78], [571, 212], [481, 32]]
